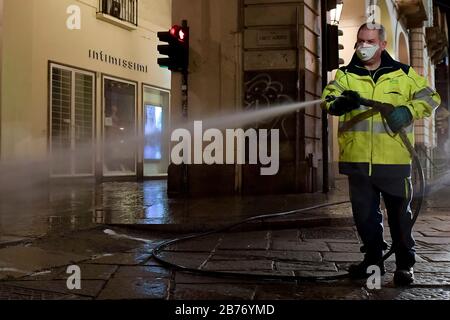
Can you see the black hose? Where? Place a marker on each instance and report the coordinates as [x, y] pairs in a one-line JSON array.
[[161, 247], [421, 179], [164, 245]]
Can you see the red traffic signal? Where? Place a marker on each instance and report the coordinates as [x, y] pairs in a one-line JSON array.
[[180, 33], [177, 48]]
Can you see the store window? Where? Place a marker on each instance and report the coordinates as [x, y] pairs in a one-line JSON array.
[[156, 138], [71, 122], [119, 135]]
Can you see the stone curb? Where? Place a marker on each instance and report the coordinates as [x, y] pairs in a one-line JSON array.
[[294, 223]]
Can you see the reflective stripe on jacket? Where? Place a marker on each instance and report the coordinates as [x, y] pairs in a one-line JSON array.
[[367, 147]]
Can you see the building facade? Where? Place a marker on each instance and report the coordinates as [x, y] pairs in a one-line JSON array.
[[81, 89], [251, 55]]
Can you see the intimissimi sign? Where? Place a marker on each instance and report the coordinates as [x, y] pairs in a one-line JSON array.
[[124, 63]]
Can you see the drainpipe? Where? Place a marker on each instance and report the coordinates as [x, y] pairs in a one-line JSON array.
[[325, 135]]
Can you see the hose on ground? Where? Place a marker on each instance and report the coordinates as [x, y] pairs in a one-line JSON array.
[[267, 276]]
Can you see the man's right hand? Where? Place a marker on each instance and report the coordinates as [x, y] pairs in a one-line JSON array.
[[347, 102]]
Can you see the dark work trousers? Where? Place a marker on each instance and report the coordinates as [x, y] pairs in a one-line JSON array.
[[365, 195]]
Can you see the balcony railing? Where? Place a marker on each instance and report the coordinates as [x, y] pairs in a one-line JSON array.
[[124, 10], [415, 12]]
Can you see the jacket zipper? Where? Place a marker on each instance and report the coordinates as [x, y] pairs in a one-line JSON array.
[[371, 122], [371, 118], [371, 133]]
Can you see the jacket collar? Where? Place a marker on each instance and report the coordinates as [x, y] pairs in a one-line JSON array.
[[387, 65]]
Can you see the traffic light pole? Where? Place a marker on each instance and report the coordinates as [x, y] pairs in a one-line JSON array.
[[184, 95], [184, 113], [184, 85], [175, 51]]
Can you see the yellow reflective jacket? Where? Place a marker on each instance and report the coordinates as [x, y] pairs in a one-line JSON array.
[[369, 147]]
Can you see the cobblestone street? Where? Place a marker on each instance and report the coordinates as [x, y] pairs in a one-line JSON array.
[[193, 157], [119, 264]]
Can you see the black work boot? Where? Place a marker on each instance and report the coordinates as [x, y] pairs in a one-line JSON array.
[[359, 271], [404, 277]]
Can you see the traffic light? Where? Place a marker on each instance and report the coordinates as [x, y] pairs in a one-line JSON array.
[[333, 47], [176, 49]]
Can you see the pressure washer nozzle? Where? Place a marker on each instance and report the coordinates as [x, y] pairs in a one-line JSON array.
[[330, 98]]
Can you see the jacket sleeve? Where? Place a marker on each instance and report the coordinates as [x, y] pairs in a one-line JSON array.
[[334, 88], [424, 100]]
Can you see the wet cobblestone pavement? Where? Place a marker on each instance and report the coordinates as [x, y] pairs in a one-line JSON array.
[[63, 206], [120, 265], [118, 268]]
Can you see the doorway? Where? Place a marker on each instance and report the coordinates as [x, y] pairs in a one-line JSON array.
[[156, 132], [120, 139]]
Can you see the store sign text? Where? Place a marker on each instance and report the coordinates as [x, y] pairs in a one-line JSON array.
[[124, 63]]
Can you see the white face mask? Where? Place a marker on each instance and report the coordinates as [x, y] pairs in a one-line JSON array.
[[366, 52]]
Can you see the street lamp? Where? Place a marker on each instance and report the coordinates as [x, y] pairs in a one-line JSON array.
[[335, 14]]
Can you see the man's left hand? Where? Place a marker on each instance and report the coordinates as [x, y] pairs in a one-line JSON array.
[[399, 118]]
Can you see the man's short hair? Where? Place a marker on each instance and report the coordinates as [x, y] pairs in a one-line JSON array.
[[372, 26]]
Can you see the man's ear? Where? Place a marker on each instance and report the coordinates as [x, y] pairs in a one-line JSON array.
[[383, 45]]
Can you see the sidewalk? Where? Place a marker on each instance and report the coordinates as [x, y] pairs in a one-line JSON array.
[[121, 266], [156, 212], [67, 206], [128, 271]]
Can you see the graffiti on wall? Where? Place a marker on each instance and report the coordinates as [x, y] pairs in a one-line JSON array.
[[269, 90]]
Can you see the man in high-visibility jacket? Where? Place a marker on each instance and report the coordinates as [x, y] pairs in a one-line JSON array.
[[374, 158]]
